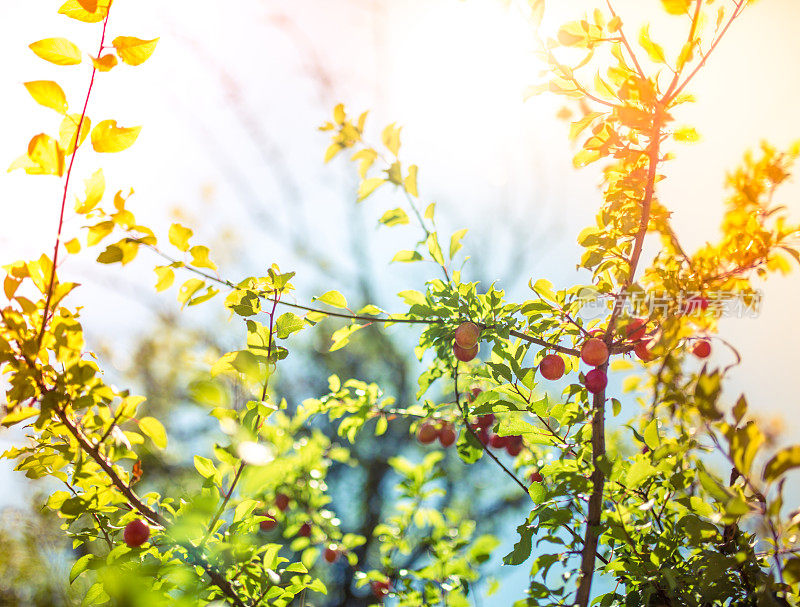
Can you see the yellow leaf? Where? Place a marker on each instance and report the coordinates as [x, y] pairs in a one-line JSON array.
[[200, 258], [654, 51], [108, 137], [87, 11], [676, 7], [687, 134], [368, 186], [49, 94], [95, 188], [391, 138], [69, 129], [165, 277], [104, 63], [339, 114], [57, 50], [99, 231], [46, 156], [411, 181], [134, 51], [73, 246], [332, 150], [179, 236]]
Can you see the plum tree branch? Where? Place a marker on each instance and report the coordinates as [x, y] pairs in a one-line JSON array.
[[52, 279]]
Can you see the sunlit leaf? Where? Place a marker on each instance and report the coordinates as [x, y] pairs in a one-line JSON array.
[[77, 9], [49, 94], [107, 137], [57, 50], [95, 188], [134, 51], [69, 130]]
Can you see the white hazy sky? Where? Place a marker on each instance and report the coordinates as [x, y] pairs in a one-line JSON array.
[[453, 72]]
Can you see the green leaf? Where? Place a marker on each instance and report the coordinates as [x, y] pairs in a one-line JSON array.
[[204, 466], [153, 428], [522, 549], [651, 435], [287, 324], [81, 565]]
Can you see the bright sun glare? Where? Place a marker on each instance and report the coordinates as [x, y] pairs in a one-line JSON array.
[[462, 69]]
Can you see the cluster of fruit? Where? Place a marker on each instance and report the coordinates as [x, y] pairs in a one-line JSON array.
[[282, 501], [429, 431]]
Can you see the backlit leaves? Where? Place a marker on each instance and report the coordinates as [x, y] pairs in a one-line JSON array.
[[179, 236], [69, 130], [783, 461], [134, 51], [654, 51], [107, 137], [88, 11], [49, 94], [44, 157], [95, 188], [676, 7], [104, 63], [57, 50], [368, 186]]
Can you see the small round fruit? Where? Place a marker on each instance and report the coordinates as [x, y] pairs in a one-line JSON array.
[[463, 354], [552, 367], [426, 433], [467, 335], [636, 328], [331, 554], [447, 435], [474, 393], [482, 434], [486, 421], [268, 524], [594, 352], [514, 445], [498, 442], [380, 588], [536, 477], [305, 530], [596, 381], [642, 351], [136, 533], [702, 349], [282, 501]]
